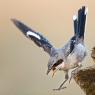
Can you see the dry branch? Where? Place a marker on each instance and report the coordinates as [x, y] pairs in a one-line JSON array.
[[85, 78]]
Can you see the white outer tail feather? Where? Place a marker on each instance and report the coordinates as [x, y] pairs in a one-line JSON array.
[[86, 10], [74, 17]]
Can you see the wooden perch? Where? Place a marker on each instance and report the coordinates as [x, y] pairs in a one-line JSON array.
[[85, 78]]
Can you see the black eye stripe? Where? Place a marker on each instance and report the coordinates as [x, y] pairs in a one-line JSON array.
[[58, 62]]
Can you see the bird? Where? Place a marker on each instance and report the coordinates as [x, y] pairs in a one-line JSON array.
[[70, 56]]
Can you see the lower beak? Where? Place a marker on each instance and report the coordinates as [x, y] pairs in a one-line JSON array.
[[53, 73]]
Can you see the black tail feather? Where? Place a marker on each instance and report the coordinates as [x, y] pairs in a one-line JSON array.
[[81, 22], [75, 22]]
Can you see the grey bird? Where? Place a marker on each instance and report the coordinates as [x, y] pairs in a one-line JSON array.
[[70, 55]]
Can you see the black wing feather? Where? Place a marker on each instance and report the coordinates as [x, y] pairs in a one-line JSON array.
[[42, 42]]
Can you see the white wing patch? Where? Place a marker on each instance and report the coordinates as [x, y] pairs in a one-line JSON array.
[[33, 34], [74, 17]]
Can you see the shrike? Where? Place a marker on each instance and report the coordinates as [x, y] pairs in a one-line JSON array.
[[70, 55]]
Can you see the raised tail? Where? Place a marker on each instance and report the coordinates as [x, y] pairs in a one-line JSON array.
[[81, 21]]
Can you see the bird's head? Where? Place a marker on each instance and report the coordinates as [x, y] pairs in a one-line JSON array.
[[54, 63]]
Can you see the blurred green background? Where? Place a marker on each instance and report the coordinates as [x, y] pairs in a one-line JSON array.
[[23, 65]]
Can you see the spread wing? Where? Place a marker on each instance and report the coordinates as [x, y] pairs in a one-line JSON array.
[[38, 39]]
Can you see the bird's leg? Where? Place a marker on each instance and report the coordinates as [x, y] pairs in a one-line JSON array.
[[75, 71], [66, 78]]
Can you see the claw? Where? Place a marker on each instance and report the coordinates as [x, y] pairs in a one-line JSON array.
[[60, 88]]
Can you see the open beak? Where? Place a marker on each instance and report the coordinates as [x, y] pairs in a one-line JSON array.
[[48, 71], [54, 71]]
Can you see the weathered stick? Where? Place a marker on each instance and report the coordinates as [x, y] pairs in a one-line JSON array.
[[85, 78]]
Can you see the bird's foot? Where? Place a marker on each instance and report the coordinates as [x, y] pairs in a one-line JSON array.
[[60, 88], [62, 84]]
